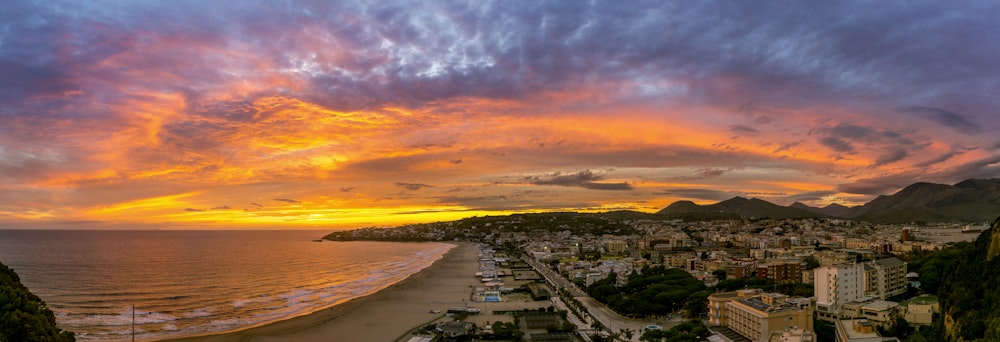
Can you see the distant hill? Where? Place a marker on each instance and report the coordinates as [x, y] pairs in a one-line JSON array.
[[973, 200], [740, 207], [833, 210]]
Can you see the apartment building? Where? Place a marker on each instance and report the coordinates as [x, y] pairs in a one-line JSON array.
[[756, 315]]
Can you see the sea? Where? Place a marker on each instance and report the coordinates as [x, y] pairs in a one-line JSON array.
[[165, 283]]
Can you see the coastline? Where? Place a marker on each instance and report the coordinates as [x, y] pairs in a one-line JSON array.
[[384, 315]]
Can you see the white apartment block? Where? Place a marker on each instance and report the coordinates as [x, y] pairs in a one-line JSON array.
[[837, 285]]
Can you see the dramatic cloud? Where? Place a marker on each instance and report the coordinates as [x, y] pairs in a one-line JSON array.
[[944, 117], [584, 179], [133, 112], [892, 156]]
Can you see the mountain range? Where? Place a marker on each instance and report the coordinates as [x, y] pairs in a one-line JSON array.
[[972, 200]]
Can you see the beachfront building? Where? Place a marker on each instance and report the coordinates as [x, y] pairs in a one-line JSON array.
[[756, 315], [455, 329]]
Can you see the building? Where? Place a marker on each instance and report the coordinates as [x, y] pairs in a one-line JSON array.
[[793, 334], [885, 278], [859, 330], [616, 247], [879, 311], [835, 286], [838, 285], [781, 271], [717, 303], [755, 315], [921, 310], [455, 329]]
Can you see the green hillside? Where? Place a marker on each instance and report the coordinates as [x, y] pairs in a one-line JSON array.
[[23, 316]]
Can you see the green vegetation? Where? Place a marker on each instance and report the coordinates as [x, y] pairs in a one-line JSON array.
[[967, 283], [973, 302], [692, 331], [23, 316], [474, 227], [655, 291]]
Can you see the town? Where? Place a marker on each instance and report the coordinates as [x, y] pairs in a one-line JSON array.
[[814, 279]]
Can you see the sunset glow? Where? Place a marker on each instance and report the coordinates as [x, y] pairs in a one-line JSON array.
[[327, 114]]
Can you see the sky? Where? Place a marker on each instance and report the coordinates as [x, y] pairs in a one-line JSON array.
[[341, 114]]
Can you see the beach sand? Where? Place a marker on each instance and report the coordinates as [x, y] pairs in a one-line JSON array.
[[382, 316]]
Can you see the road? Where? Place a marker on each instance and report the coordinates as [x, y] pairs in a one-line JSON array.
[[610, 319]]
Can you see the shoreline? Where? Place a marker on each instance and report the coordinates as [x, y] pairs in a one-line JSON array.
[[384, 315]]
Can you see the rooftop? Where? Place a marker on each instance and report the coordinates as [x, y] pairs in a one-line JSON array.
[[880, 305], [922, 299], [888, 262]]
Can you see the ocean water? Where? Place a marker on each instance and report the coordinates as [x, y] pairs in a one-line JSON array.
[[185, 283]]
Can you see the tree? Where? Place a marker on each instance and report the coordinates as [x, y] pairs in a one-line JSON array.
[[696, 305], [24, 316], [811, 262], [689, 331], [720, 274]]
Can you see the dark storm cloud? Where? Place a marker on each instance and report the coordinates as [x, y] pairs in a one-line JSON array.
[[583, 179], [954, 120], [413, 52]]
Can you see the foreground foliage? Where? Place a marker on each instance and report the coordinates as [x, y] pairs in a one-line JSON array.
[[23, 316], [689, 331], [966, 279]]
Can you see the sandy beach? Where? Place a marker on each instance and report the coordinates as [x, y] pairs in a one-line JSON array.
[[382, 316]]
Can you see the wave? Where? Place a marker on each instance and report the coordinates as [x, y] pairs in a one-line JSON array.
[[123, 318], [249, 294]]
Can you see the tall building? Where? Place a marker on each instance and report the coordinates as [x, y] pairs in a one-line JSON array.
[[838, 285], [835, 286], [886, 278]]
